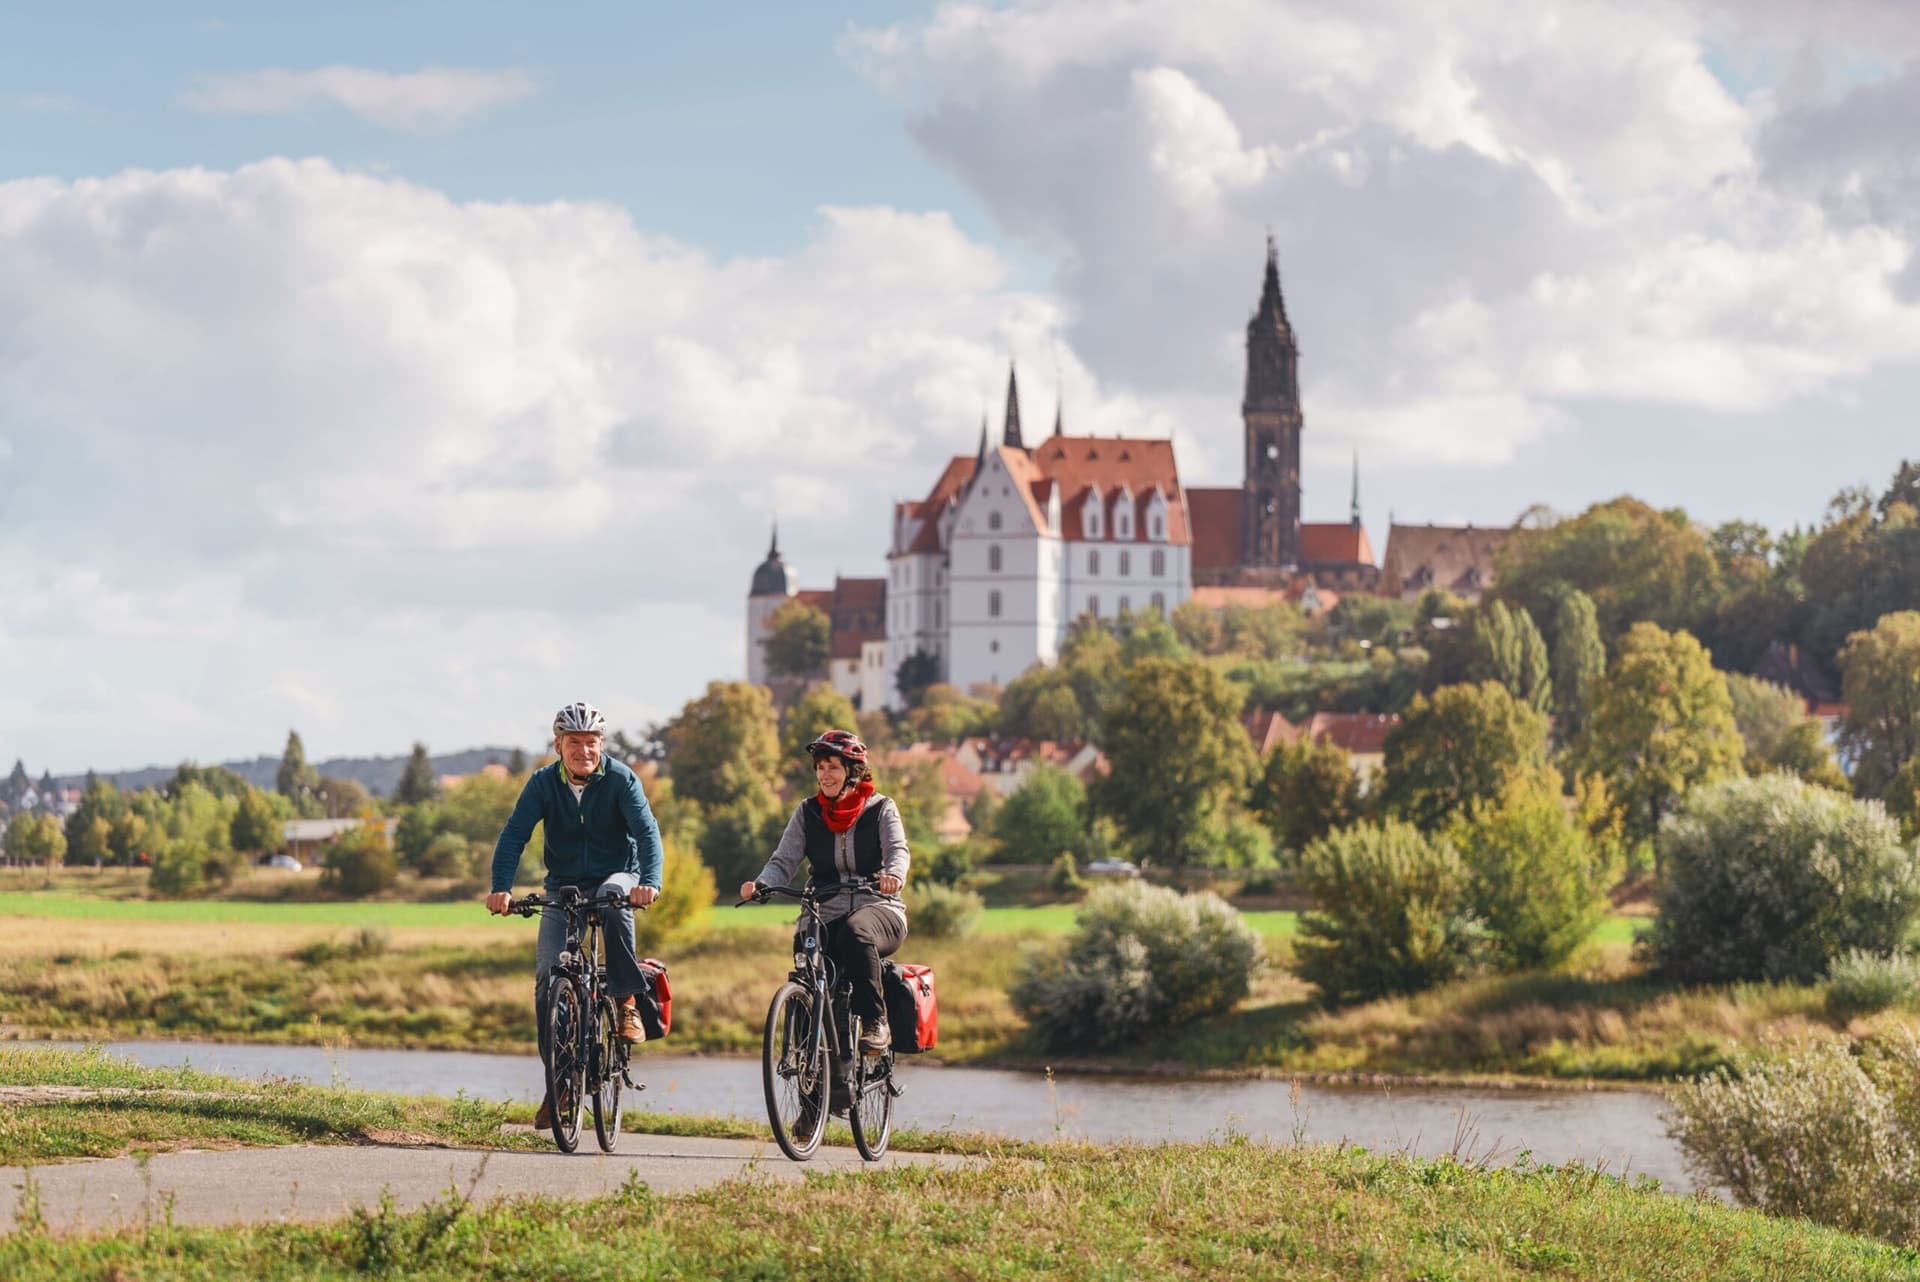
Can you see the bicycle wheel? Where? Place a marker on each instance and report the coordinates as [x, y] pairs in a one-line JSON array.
[[606, 1076], [793, 1066], [566, 1061], [872, 1112]]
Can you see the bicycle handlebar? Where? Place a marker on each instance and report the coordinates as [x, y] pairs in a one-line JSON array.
[[528, 905], [763, 893]]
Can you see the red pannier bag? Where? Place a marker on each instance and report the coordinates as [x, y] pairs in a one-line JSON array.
[[911, 1009], [655, 999]]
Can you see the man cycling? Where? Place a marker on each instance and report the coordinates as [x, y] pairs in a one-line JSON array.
[[599, 832]]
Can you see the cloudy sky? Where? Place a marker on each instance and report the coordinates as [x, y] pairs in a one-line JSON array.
[[399, 373]]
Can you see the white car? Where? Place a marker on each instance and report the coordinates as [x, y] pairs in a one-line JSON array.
[[283, 861], [1113, 868]]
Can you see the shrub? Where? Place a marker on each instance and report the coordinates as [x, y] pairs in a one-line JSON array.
[[950, 864], [368, 941], [1773, 878], [1044, 816], [359, 862], [1064, 876], [1392, 913], [687, 891], [1815, 1129], [1862, 983], [180, 869], [447, 855], [935, 911], [1536, 880], [1145, 959]]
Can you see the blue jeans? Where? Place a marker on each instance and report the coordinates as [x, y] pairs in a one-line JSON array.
[[616, 927]]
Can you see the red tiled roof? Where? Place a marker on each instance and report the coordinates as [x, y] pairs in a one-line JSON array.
[[1216, 528], [819, 598], [1360, 733], [958, 472], [963, 785], [1268, 730], [1119, 465], [1335, 541], [859, 594], [1458, 558]]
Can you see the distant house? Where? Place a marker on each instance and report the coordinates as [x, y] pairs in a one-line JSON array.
[[306, 838], [1006, 763], [1361, 735], [963, 784], [1453, 558]]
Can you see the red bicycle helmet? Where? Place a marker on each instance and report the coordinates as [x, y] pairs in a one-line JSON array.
[[844, 744]]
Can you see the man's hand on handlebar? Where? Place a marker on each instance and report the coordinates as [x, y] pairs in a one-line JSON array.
[[641, 896], [499, 901]]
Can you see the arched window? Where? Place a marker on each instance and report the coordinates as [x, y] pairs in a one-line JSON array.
[[1126, 562], [993, 520], [1158, 562], [993, 605], [993, 558], [1093, 560], [1160, 603]]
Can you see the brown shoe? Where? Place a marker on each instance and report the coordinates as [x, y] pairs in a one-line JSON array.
[[543, 1116], [876, 1038], [631, 1029]]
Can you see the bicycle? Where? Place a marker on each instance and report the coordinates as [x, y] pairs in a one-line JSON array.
[[800, 1050], [584, 1056]]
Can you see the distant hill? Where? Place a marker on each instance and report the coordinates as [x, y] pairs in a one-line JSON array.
[[380, 775]]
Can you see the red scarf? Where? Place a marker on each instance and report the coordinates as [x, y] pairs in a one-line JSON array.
[[841, 812]]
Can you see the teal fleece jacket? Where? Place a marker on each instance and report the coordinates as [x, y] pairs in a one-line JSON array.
[[609, 829]]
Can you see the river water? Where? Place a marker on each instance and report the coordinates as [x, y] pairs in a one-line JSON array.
[[1624, 1132]]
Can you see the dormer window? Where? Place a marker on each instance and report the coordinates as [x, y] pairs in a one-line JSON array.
[[1122, 520], [1090, 515]]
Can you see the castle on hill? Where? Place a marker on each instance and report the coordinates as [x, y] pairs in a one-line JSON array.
[[1011, 543]]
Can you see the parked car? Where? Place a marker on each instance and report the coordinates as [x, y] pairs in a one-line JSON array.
[[1113, 868], [282, 861]]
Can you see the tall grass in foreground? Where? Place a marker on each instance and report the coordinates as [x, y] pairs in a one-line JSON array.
[[1232, 1210]]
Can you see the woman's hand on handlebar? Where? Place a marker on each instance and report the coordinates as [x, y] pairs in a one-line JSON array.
[[887, 884], [748, 889]]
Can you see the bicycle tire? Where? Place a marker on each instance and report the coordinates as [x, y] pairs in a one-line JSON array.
[[566, 1069], [793, 1068], [871, 1111], [606, 1076]]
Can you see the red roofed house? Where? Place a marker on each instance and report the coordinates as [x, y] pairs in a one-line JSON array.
[[1005, 763], [1362, 735], [857, 608]]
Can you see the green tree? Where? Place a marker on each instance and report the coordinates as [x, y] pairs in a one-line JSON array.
[[1040, 703], [1044, 818], [1090, 657], [945, 715], [680, 914], [476, 807], [1660, 723], [131, 836], [419, 781], [417, 828], [1579, 661], [818, 709], [919, 792], [1880, 671], [1306, 791], [736, 838], [1393, 913], [36, 839], [1508, 648], [1199, 627], [517, 762], [799, 640], [295, 779], [256, 825], [1178, 758], [100, 804], [359, 863], [1459, 747], [446, 855], [917, 672], [1635, 562], [723, 749], [983, 812], [1778, 733], [1146, 634], [343, 798], [1538, 882]]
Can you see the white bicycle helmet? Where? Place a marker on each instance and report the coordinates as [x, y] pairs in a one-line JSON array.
[[579, 718]]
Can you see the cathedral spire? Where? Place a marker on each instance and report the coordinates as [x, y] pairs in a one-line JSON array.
[[1356, 487], [773, 544], [1059, 415], [980, 456], [1273, 304], [1011, 436]]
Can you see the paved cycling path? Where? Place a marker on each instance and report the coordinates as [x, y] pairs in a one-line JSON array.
[[322, 1182]]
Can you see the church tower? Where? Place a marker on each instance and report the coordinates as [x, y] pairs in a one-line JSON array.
[[1270, 511]]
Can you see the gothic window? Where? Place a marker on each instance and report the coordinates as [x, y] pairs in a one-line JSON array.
[[1126, 562], [1160, 602], [1158, 563], [993, 558], [1093, 560], [993, 605], [993, 520]]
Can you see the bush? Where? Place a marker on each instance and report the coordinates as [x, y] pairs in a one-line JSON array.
[[1536, 880], [1815, 1130], [687, 891], [447, 855], [359, 863], [935, 911], [179, 869], [950, 865], [368, 941], [1863, 983], [1145, 959], [1773, 878], [1064, 878], [1393, 913]]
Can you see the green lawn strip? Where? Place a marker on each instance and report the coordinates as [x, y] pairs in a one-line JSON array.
[[1233, 1210]]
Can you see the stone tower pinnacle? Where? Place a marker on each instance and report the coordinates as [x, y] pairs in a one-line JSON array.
[[1270, 511]]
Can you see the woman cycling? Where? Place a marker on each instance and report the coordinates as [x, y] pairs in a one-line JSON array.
[[848, 830]]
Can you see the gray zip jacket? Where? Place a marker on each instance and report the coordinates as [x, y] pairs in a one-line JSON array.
[[791, 854]]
